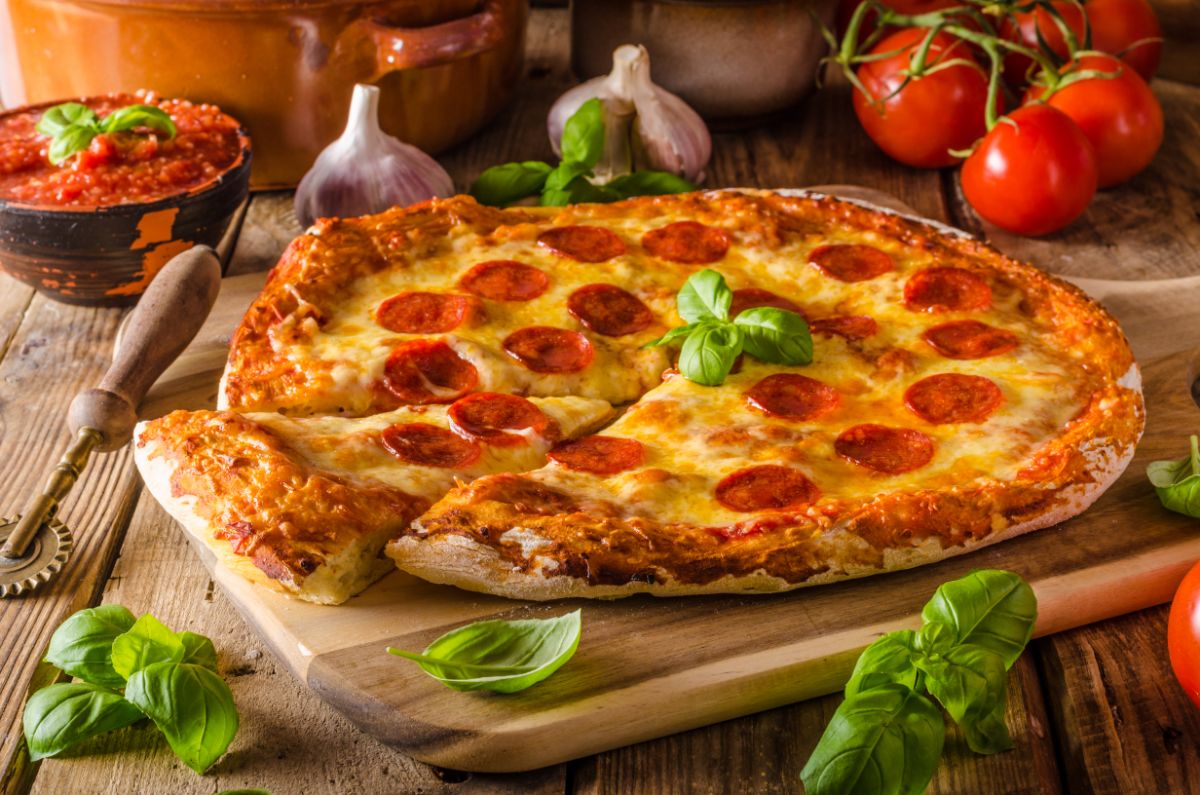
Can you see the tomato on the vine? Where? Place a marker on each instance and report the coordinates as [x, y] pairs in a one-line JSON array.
[[1119, 115], [1183, 634], [939, 111], [1127, 28], [1033, 173]]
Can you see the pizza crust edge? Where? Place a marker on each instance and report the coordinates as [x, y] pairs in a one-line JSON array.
[[323, 586], [462, 562]]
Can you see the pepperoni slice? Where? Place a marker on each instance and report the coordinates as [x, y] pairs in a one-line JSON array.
[[752, 297], [425, 313], [969, 339], [600, 455], [793, 397], [545, 349], [505, 280], [428, 371], [497, 419], [429, 446], [584, 243], [883, 449], [851, 263], [946, 290], [609, 310], [689, 242], [953, 397], [769, 487], [852, 327]]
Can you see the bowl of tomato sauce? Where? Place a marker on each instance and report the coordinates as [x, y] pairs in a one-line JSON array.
[[97, 194]]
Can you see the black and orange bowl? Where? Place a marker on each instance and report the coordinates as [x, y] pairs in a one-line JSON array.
[[106, 256]]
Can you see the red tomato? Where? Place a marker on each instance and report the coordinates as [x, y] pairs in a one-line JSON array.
[[1119, 115], [1119, 27], [1183, 634], [1032, 174], [932, 114]]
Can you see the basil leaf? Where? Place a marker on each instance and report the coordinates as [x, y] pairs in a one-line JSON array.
[[198, 650], [500, 656], [69, 114], [776, 335], [61, 715], [1177, 483], [147, 642], [709, 352], [988, 734], [988, 607], [889, 660], [82, 645], [568, 184], [68, 142], [672, 335], [649, 183], [704, 296], [192, 707], [969, 681], [888, 740], [583, 134], [500, 185], [134, 116]]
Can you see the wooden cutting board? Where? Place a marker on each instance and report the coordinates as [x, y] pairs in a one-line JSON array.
[[648, 667]]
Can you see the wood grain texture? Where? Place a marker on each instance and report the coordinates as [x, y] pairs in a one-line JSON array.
[[57, 351], [787, 152], [289, 741], [724, 656], [1123, 724], [763, 754], [1145, 228]]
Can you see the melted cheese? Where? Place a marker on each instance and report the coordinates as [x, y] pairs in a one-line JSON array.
[[351, 445]]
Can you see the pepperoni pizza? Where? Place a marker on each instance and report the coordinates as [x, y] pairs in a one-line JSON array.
[[956, 397]]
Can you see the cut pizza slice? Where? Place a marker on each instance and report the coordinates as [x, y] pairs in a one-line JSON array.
[[789, 477], [305, 505]]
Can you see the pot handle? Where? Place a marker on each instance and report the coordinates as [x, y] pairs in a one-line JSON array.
[[388, 48]]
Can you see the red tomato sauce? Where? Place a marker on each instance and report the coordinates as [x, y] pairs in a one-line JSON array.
[[117, 168]]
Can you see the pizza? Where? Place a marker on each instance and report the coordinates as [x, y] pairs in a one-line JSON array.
[[956, 397], [304, 505]]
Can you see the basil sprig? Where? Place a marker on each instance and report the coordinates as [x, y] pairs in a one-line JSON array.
[[887, 735], [712, 342], [500, 656], [1178, 482], [571, 181], [72, 126], [170, 677]]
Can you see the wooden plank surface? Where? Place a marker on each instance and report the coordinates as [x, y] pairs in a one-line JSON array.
[[682, 663], [775, 152]]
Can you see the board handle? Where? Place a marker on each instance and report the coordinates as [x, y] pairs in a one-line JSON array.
[[165, 320]]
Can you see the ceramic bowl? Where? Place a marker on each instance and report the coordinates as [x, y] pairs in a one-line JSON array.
[[106, 256]]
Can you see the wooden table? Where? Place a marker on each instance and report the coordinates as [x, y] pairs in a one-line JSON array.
[[1094, 710]]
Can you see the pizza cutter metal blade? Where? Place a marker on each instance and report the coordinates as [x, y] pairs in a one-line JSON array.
[[35, 545]]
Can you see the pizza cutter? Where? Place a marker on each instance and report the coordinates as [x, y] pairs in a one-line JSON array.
[[35, 544]]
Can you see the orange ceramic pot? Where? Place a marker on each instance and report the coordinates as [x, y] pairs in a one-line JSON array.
[[285, 68]]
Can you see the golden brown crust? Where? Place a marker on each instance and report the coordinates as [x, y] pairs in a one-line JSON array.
[[535, 540], [263, 502]]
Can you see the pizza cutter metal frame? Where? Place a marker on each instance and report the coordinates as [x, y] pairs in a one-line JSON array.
[[36, 544]]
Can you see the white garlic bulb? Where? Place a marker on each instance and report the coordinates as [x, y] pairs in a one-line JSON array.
[[366, 170], [655, 129]]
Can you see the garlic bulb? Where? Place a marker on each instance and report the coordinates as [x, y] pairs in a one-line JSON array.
[[646, 126], [366, 170]]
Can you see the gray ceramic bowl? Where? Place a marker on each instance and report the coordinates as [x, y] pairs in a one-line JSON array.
[[734, 61]]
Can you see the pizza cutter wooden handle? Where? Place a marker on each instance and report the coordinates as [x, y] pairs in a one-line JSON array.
[[165, 320]]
